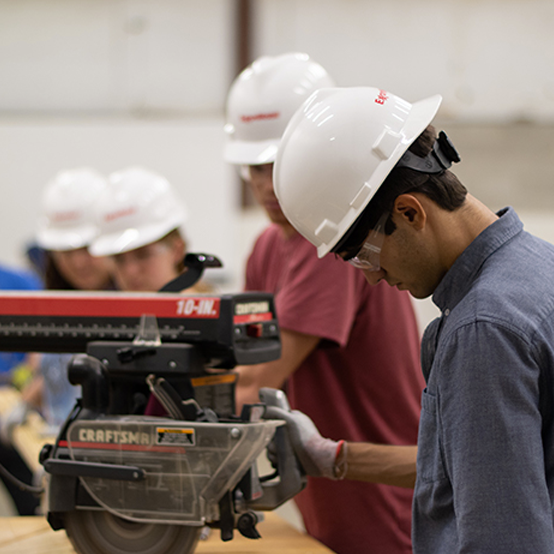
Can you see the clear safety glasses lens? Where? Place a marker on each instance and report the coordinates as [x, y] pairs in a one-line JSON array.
[[368, 258], [244, 172], [253, 173]]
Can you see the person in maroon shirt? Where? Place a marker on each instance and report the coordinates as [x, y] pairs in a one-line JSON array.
[[350, 352]]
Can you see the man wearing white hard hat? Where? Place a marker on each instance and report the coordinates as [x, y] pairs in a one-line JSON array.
[[349, 351], [372, 184]]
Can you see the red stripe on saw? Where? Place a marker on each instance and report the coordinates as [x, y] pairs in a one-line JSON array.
[[129, 447], [180, 307], [252, 318]]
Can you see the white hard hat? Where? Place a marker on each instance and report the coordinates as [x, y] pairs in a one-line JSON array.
[[66, 221], [261, 101], [137, 207], [336, 152]]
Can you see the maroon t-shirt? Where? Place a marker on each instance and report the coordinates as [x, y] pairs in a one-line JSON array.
[[362, 383]]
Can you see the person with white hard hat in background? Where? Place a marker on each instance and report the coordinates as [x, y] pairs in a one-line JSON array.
[[140, 220], [372, 184], [141, 227], [66, 229], [349, 351]]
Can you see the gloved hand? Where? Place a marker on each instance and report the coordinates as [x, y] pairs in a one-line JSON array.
[[17, 416], [317, 454]]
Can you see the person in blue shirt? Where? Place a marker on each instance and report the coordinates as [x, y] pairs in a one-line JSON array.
[[362, 173], [24, 502], [15, 279]]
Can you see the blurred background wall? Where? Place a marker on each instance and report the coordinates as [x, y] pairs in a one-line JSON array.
[[113, 83]]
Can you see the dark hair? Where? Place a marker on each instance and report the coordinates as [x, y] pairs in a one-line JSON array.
[[444, 189], [53, 279], [173, 235]]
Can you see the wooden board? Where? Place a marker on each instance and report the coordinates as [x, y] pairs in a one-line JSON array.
[[33, 535]]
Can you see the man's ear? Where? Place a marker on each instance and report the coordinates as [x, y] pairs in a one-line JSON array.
[[411, 211]]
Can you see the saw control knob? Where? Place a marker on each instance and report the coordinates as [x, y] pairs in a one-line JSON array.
[[247, 525]]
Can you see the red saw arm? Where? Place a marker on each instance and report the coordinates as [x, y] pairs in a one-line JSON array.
[[229, 329]]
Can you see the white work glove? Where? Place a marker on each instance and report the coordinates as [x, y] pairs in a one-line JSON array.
[[17, 416], [317, 454]]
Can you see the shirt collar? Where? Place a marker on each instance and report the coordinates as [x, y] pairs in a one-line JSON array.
[[461, 275]]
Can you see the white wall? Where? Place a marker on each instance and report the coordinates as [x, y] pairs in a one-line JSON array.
[[492, 60], [132, 56]]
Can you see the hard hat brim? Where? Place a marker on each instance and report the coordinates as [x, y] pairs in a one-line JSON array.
[[251, 153], [66, 239], [130, 239]]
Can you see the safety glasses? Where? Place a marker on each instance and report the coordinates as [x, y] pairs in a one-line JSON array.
[[368, 257], [250, 173]]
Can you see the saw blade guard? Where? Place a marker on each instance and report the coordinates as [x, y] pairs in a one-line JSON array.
[[188, 466]]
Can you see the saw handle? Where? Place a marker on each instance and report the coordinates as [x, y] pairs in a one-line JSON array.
[[194, 267], [92, 375], [291, 477]]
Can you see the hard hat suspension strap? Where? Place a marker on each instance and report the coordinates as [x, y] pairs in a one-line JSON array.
[[438, 160]]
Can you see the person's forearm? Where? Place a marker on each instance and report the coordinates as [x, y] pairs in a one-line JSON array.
[[381, 463], [248, 385]]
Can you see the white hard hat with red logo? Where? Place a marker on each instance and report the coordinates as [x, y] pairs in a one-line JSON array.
[[336, 152], [261, 101], [67, 221], [137, 207]]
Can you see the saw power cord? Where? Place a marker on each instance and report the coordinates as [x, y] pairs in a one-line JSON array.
[[20, 484]]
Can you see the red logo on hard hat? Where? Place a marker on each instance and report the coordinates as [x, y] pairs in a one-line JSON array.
[[61, 217], [259, 117], [120, 213], [382, 98]]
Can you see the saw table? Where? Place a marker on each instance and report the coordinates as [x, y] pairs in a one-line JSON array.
[[33, 535]]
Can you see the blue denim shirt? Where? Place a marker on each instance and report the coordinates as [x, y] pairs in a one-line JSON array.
[[485, 467]]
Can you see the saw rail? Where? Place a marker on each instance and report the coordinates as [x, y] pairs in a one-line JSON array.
[[228, 330]]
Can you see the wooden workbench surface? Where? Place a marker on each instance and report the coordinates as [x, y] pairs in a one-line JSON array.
[[33, 535], [30, 437]]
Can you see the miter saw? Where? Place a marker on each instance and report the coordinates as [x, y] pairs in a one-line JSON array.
[[122, 481]]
